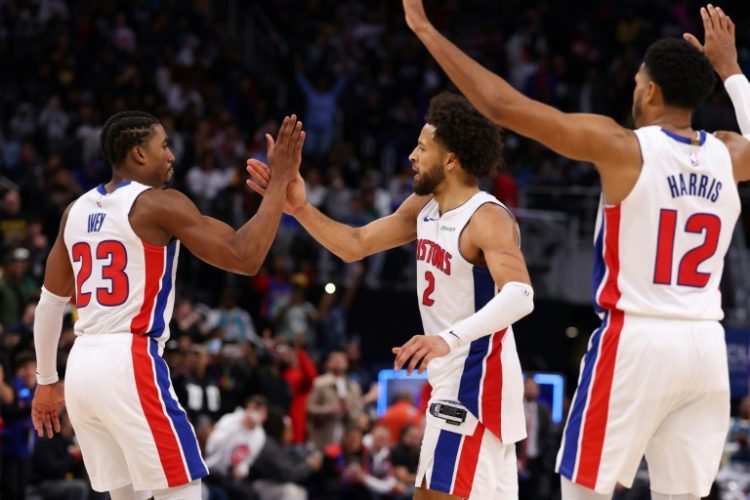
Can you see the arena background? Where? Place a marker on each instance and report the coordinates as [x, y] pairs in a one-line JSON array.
[[221, 74]]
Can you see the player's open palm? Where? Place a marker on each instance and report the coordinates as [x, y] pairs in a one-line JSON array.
[[719, 45], [285, 153], [46, 408], [260, 176]]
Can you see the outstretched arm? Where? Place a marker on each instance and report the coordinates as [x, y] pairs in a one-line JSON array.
[[721, 50], [346, 242], [242, 251], [593, 138]]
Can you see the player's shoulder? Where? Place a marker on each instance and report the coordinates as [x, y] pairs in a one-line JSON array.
[[160, 198], [414, 204]]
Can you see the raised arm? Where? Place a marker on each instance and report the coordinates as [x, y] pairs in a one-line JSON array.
[[242, 251], [593, 138], [721, 50], [346, 242]]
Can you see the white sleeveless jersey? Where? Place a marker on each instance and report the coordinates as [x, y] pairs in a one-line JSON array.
[[660, 252], [122, 283], [484, 376]]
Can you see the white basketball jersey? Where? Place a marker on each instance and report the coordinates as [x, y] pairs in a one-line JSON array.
[[122, 283], [660, 252], [484, 376]]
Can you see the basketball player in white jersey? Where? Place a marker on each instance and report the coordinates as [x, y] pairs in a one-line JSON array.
[[472, 285], [654, 380], [116, 254]]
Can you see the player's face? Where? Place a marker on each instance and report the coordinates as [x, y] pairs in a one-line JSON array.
[[159, 158], [427, 162], [641, 83]]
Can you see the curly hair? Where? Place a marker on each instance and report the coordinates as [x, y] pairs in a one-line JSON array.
[[476, 141], [122, 132], [681, 71]]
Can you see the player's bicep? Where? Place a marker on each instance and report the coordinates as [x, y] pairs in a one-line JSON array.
[[579, 136], [393, 230], [495, 233], [58, 273], [207, 238]]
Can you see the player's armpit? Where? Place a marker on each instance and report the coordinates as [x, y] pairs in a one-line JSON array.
[[739, 150]]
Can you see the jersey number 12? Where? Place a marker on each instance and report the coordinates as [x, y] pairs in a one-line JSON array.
[[688, 274]]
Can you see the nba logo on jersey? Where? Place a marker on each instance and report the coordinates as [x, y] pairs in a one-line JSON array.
[[694, 160]]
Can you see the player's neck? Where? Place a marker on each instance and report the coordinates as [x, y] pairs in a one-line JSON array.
[[453, 196], [674, 120]]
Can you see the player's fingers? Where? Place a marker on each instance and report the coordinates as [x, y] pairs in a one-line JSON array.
[[415, 359], [36, 421], [403, 356], [259, 172], [47, 423], [270, 145], [693, 41], [426, 361], [300, 143], [255, 187], [717, 17], [708, 23], [55, 420]]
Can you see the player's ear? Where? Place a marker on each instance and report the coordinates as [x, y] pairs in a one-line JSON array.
[[138, 154], [451, 161], [653, 93]]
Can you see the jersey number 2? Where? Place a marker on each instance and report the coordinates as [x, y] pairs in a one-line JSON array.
[[426, 299], [114, 253], [688, 274]]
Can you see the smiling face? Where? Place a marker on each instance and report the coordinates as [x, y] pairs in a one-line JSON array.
[[427, 161]]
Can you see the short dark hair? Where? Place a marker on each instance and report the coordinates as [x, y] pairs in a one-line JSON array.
[[683, 73], [123, 131], [465, 132]]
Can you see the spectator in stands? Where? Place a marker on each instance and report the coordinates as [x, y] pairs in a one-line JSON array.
[[401, 413], [295, 316], [405, 455], [334, 403], [13, 223], [235, 443], [378, 476], [342, 473], [206, 180], [198, 389], [278, 472], [234, 321], [18, 435], [299, 372], [535, 453], [53, 461]]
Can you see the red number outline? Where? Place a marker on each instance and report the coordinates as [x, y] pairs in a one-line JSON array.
[[426, 299]]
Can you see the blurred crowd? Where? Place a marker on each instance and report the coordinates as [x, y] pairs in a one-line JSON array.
[[275, 383]]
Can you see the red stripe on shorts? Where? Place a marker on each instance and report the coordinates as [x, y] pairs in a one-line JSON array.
[[467, 463], [170, 455]]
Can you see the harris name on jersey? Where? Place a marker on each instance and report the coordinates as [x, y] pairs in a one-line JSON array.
[[700, 185]]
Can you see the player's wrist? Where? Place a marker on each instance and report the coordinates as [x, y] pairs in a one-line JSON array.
[[46, 379], [726, 72], [451, 338]]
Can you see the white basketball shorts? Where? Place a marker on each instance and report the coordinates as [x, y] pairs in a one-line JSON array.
[[125, 414], [653, 387], [464, 458]]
